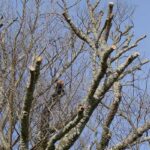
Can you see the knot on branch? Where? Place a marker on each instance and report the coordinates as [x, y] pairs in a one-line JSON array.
[[25, 113], [80, 109]]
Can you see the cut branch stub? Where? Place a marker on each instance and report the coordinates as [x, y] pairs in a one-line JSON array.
[[34, 74]]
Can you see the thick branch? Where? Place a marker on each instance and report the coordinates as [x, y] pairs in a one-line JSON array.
[[102, 71], [106, 135], [34, 72], [108, 23], [138, 67], [66, 129], [132, 137]]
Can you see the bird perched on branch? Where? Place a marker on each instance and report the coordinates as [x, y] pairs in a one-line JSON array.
[[1, 21], [59, 89]]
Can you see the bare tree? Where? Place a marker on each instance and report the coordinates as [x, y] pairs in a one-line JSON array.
[[61, 78]]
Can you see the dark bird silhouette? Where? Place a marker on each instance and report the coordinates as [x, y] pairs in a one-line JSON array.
[[59, 88], [1, 19]]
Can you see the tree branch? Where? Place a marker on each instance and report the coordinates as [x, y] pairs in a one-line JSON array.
[[106, 135], [66, 129], [103, 35], [68, 140], [127, 48], [78, 32], [132, 137], [34, 72]]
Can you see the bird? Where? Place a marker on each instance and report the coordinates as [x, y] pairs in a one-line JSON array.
[[59, 89], [1, 21]]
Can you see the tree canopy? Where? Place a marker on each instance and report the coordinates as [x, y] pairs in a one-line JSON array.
[[69, 77]]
